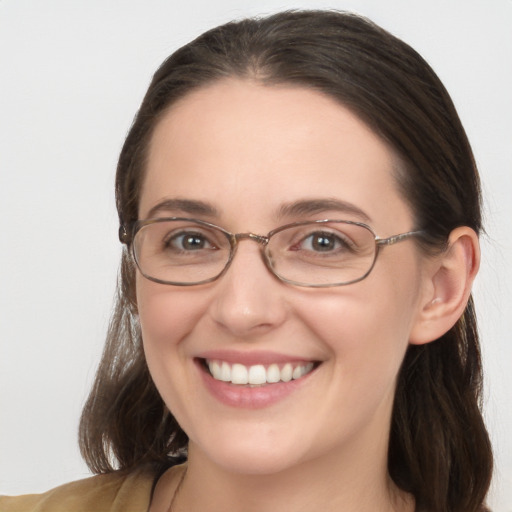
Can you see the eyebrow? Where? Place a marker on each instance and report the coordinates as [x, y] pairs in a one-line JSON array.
[[186, 206], [314, 206], [300, 208]]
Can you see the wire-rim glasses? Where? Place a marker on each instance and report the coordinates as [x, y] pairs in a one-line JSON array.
[[182, 251]]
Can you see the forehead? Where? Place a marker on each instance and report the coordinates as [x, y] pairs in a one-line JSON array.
[[242, 145]]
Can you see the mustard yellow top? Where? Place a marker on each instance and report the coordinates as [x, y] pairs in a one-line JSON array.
[[112, 492]]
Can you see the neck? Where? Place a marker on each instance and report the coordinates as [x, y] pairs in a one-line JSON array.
[[326, 484]]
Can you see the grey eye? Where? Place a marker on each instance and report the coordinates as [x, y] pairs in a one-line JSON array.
[[188, 241], [322, 241]]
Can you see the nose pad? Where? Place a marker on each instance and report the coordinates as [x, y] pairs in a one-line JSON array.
[[248, 299]]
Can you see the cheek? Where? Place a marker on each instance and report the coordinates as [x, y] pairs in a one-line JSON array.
[[367, 327], [167, 314], [361, 331]]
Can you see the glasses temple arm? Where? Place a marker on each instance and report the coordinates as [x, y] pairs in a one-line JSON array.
[[398, 238]]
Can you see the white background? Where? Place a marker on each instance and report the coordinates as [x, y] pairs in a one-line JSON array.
[[72, 74]]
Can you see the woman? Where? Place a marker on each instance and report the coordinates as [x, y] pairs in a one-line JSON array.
[[268, 330]]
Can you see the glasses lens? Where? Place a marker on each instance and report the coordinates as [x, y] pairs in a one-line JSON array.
[[322, 254], [180, 251]]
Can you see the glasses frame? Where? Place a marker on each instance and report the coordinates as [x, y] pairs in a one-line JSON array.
[[127, 236]]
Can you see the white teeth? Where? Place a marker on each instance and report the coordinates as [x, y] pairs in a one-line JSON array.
[[239, 374], [307, 368], [297, 372], [273, 374], [215, 368], [257, 374], [287, 373], [225, 372]]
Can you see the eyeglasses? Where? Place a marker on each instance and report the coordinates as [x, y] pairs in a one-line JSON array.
[[321, 253]]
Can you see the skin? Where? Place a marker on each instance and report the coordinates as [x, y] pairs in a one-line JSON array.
[[247, 150]]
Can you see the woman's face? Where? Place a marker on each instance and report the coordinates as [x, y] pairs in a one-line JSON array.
[[241, 154]]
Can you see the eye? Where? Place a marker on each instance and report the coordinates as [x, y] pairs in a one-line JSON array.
[[322, 241], [188, 241]]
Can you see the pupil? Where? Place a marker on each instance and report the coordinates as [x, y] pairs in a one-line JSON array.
[[322, 243], [193, 242]]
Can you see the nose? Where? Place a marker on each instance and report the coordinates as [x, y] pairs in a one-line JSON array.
[[248, 299]]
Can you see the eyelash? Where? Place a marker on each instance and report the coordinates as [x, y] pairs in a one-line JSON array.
[[169, 241], [340, 242]]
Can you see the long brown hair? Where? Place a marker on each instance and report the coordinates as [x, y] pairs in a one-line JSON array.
[[439, 448]]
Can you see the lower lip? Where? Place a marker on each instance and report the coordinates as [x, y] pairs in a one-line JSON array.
[[247, 397]]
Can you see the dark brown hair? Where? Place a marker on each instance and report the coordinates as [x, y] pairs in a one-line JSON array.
[[439, 448]]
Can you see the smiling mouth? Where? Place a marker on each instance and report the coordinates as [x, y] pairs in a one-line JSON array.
[[258, 374]]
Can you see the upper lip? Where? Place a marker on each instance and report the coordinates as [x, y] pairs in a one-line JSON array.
[[253, 357]]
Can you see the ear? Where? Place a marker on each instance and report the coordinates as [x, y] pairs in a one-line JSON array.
[[447, 286]]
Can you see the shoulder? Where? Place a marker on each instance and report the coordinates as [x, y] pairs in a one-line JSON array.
[[112, 492]]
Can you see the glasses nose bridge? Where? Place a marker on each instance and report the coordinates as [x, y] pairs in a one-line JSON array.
[[259, 239]]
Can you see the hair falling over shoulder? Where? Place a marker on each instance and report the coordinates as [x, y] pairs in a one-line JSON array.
[[439, 448]]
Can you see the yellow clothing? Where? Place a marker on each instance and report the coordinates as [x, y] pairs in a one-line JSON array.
[[112, 492]]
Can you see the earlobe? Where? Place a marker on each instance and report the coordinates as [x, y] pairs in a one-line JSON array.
[[448, 286]]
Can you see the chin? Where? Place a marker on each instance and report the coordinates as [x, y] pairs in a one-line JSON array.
[[249, 456], [255, 464]]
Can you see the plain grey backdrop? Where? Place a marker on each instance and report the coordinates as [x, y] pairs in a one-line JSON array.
[[72, 74]]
